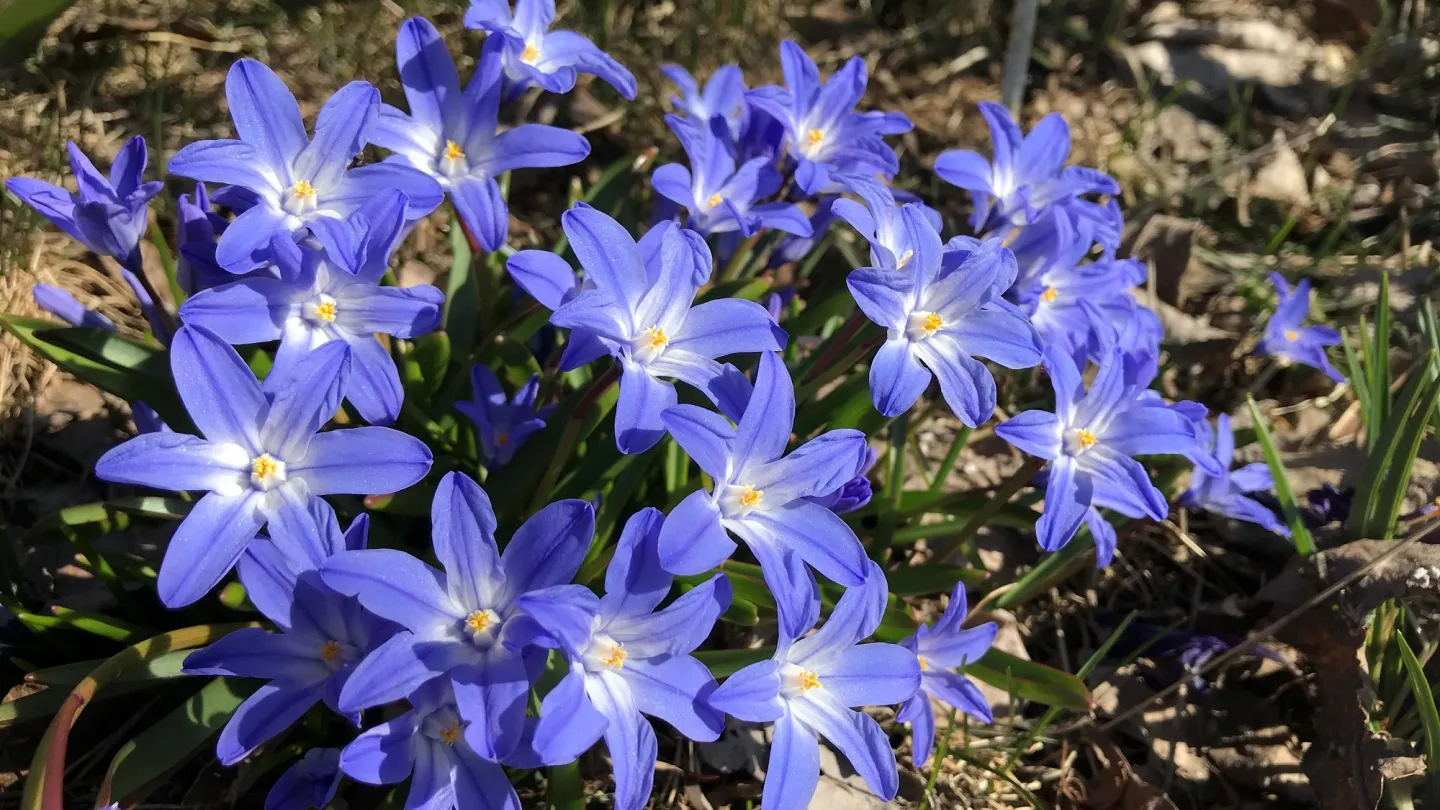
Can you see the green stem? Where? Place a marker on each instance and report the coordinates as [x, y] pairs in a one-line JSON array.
[[940, 754], [1002, 496], [570, 434], [962, 437]]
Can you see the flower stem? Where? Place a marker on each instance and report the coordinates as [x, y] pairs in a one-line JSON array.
[[571, 433]]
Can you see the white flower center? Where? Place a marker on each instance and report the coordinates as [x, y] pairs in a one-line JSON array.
[[483, 627], [739, 500], [1079, 440], [300, 199], [649, 344], [320, 310], [266, 472], [604, 653], [923, 325], [796, 680]]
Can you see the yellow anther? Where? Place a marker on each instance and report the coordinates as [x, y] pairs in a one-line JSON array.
[[331, 651], [751, 497], [478, 621], [932, 323], [1049, 295], [616, 658], [451, 733], [809, 680], [325, 311], [657, 337], [530, 54], [715, 199], [1086, 438], [1292, 335], [302, 189], [264, 465], [924, 665], [453, 151], [815, 136], [905, 259]]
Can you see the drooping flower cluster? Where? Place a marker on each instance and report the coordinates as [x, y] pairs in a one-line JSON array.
[[460, 652]]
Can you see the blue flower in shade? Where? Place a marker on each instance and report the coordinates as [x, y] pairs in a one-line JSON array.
[[309, 783], [723, 97], [938, 651], [62, 304], [1328, 504], [107, 215], [759, 493], [1224, 494], [502, 425], [431, 745], [1089, 442], [1028, 177], [465, 622], [330, 294], [811, 688], [322, 636], [940, 316], [197, 237], [1288, 338], [791, 248], [626, 660], [453, 136], [853, 494], [260, 460], [640, 312], [720, 197], [285, 181], [824, 133], [880, 222], [533, 54]]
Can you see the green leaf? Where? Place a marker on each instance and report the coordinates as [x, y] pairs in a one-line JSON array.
[[460, 316], [24, 21], [565, 789], [143, 762], [432, 354], [1031, 681], [728, 662], [162, 668], [1425, 705], [923, 580], [1390, 457], [1299, 532]]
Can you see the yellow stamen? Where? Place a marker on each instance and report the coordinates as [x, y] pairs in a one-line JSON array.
[[905, 259], [932, 323], [616, 658], [302, 189], [264, 465], [453, 151], [1291, 335], [331, 651], [815, 136], [451, 733], [478, 621], [924, 665], [715, 199], [751, 497], [809, 680], [325, 311], [530, 54], [658, 338], [1049, 295], [1086, 438]]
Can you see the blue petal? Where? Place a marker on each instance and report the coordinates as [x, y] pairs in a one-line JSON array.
[[545, 276], [635, 582], [482, 208], [491, 696], [245, 245], [266, 116], [672, 181], [269, 711], [958, 691], [693, 541], [383, 754], [793, 770], [764, 430], [219, 390], [428, 74], [175, 461], [752, 694], [871, 675], [307, 401], [857, 736], [728, 326], [679, 628], [965, 169], [374, 386], [1034, 432], [403, 312], [609, 256], [340, 134], [1067, 498], [205, 547], [536, 146], [463, 531], [569, 722], [356, 186], [395, 586], [965, 382], [643, 399], [676, 690], [630, 739], [897, 379], [921, 716], [548, 549], [248, 311], [481, 783], [254, 653], [705, 435], [363, 461]]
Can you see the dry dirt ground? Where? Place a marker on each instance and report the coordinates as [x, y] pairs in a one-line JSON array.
[[1248, 136]]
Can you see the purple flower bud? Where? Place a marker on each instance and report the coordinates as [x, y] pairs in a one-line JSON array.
[[63, 305]]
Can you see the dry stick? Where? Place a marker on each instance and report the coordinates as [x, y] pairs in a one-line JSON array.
[[1017, 55], [1261, 635]]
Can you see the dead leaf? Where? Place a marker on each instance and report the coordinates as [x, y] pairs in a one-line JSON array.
[[1115, 786]]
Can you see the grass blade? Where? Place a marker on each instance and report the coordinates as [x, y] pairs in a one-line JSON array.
[[1429, 715], [1299, 532]]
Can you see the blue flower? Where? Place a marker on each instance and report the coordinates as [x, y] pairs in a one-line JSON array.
[[107, 215], [309, 783], [533, 54], [465, 622], [720, 197], [1286, 335], [331, 294], [812, 685], [939, 316], [283, 180], [1089, 442], [853, 494], [1329, 504], [759, 493], [938, 651], [197, 238], [1224, 494], [626, 659], [431, 745], [1028, 178], [880, 222], [640, 312], [723, 97], [503, 426], [824, 133], [323, 635], [62, 304], [453, 136], [260, 460]]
